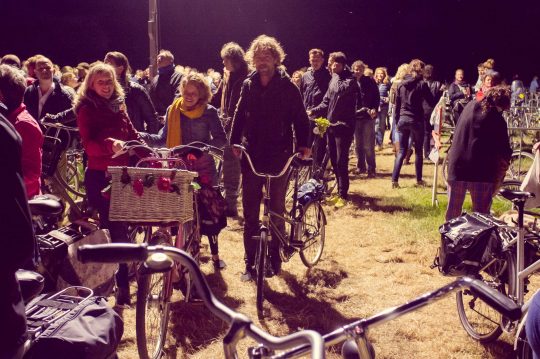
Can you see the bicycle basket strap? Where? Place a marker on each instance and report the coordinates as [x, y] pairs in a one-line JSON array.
[[467, 242]]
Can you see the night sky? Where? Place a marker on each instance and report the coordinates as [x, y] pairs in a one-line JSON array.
[[446, 33]]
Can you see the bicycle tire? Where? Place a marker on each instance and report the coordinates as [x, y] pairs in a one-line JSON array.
[[312, 234], [474, 314], [138, 235], [191, 246], [444, 170], [520, 162], [71, 179], [304, 174], [260, 266], [152, 310]]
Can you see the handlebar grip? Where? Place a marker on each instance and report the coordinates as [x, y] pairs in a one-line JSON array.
[[495, 299], [112, 253]]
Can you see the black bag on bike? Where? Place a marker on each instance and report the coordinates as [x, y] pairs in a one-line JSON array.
[[92, 330], [212, 210], [52, 150], [467, 243], [310, 191]]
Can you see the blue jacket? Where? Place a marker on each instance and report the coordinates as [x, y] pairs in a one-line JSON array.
[[206, 129]]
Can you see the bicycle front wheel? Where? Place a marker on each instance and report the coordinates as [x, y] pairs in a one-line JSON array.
[[479, 320], [520, 162], [260, 266], [311, 233], [152, 310]]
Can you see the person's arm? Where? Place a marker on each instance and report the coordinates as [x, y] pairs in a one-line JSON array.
[[300, 121], [217, 133], [322, 108], [67, 117], [158, 139], [31, 156], [149, 113], [428, 96], [454, 93], [239, 118]]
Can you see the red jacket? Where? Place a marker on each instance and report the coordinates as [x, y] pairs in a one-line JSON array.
[[32, 143], [99, 127]]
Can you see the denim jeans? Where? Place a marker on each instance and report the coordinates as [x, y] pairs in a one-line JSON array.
[[364, 136], [405, 133], [380, 125], [252, 188], [339, 142], [95, 181]]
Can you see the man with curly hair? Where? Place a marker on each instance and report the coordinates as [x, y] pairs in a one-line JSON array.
[[270, 106]]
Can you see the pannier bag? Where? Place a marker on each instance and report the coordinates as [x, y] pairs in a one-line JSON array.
[[91, 330], [467, 243], [212, 210], [310, 191], [58, 250]]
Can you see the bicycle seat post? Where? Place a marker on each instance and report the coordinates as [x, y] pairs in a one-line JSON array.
[[520, 262]]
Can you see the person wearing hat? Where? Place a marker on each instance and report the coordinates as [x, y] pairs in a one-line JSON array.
[[339, 105]]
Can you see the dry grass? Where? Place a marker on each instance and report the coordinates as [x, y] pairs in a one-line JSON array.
[[377, 254]]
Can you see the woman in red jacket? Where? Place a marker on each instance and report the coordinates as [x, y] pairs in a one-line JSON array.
[[104, 126]]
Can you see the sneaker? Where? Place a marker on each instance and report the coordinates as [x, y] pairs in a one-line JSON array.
[[421, 183], [341, 202], [395, 185], [231, 212], [248, 275], [371, 175], [359, 172], [219, 264]]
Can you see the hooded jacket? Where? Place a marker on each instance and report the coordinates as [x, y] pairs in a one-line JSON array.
[[339, 102], [264, 120], [411, 94]]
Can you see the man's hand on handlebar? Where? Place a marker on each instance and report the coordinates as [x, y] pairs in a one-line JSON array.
[[305, 152]]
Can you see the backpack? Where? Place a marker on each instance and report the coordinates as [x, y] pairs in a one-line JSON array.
[[91, 330], [467, 243]]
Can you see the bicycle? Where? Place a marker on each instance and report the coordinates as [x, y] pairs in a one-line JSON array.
[[307, 228], [508, 272], [155, 288]]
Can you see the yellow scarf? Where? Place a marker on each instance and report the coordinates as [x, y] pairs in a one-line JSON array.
[[174, 128]]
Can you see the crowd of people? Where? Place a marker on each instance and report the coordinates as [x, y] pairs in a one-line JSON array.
[[257, 104]]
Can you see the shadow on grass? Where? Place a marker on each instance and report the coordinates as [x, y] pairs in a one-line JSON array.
[[194, 324], [377, 204], [308, 308]]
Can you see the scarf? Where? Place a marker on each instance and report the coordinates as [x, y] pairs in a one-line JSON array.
[[169, 69], [174, 128]]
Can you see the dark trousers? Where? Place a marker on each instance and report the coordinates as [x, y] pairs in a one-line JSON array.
[[406, 132], [231, 177], [339, 143], [252, 187], [95, 181]]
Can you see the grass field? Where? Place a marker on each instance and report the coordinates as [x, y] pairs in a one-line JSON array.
[[378, 251]]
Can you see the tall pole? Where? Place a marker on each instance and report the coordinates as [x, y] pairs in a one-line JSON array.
[[153, 35]]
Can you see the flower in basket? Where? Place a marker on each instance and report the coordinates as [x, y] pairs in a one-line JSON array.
[[164, 184], [138, 187]]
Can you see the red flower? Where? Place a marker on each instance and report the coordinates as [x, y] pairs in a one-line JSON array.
[[164, 184], [138, 187]]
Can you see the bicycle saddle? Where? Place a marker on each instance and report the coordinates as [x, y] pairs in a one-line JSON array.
[[45, 205], [31, 283], [515, 195]]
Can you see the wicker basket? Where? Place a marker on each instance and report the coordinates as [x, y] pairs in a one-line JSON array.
[[154, 206]]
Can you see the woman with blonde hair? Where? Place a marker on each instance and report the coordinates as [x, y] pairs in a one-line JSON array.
[[383, 83], [104, 126], [402, 70], [190, 118]]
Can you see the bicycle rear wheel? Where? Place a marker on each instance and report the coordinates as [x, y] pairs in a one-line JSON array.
[[520, 162], [152, 310], [479, 320], [312, 234], [260, 266]]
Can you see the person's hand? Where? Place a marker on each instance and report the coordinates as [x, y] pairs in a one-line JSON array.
[[305, 152], [309, 112], [372, 113], [117, 145]]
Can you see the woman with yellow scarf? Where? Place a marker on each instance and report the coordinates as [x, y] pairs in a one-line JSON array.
[[188, 119]]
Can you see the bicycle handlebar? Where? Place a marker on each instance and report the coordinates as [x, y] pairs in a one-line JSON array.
[[240, 324], [59, 126], [495, 299], [294, 157], [163, 153]]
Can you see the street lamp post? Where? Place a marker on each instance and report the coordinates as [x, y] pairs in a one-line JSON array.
[[153, 35]]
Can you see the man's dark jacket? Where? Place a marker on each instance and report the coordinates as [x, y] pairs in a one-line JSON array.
[[368, 96], [339, 102], [479, 147], [140, 109], [264, 120], [314, 86], [16, 237], [230, 96], [164, 89], [58, 101]]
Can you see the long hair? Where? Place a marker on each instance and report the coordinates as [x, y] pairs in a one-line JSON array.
[[401, 72], [496, 96], [119, 59], [265, 42], [236, 54], [201, 83], [86, 92], [417, 68], [385, 73]]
